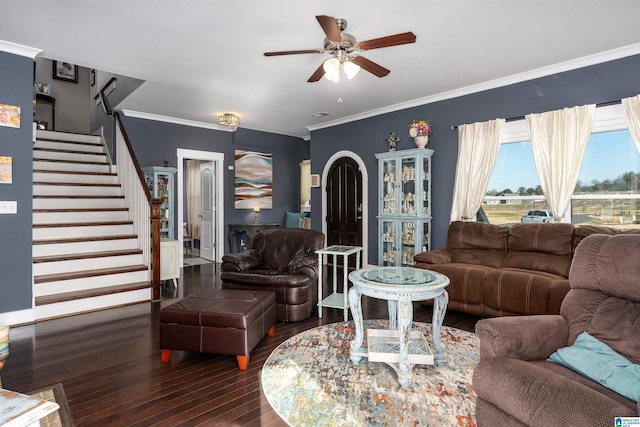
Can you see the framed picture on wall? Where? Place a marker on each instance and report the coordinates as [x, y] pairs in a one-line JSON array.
[[65, 71]]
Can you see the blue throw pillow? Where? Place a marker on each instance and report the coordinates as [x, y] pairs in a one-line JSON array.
[[293, 219], [599, 362]]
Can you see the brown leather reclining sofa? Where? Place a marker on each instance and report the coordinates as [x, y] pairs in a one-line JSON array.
[[283, 261], [500, 271]]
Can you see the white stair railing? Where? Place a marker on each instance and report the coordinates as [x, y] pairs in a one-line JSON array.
[[135, 196], [144, 211]]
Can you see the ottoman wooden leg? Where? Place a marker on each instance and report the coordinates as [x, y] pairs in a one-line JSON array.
[[243, 361], [272, 331], [166, 356]]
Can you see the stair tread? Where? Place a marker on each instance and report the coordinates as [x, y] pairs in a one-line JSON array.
[[45, 278], [75, 172], [88, 255], [74, 184], [76, 196], [82, 224], [62, 150], [90, 293], [67, 141], [75, 162], [80, 210], [85, 239]]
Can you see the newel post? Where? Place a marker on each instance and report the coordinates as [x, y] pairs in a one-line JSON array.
[[155, 249]]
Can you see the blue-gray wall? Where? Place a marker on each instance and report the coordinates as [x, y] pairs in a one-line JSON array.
[[595, 84], [16, 88], [156, 142]]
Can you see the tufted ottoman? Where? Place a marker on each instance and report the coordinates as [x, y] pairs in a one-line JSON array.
[[220, 321]]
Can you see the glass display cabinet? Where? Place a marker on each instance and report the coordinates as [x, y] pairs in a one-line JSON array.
[[404, 205], [160, 181]]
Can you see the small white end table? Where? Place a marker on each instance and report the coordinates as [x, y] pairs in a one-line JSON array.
[[336, 299]]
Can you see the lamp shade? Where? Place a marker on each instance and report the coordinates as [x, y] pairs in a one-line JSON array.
[[256, 208]]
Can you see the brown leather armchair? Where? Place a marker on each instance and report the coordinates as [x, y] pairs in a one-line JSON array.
[[283, 261], [514, 382]]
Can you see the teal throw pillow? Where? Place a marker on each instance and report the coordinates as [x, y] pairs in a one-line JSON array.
[[599, 362], [293, 219]]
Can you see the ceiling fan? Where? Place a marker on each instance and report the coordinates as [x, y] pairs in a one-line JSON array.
[[344, 50]]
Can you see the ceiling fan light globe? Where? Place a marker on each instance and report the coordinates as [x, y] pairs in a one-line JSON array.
[[332, 69], [333, 76], [331, 65], [350, 69]]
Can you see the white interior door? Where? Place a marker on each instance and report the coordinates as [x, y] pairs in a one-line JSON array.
[[207, 211]]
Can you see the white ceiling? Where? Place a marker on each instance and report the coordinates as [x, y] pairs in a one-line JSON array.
[[201, 58]]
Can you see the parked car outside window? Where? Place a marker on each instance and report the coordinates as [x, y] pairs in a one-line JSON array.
[[537, 215]]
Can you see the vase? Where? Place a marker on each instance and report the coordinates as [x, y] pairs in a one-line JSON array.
[[421, 140]]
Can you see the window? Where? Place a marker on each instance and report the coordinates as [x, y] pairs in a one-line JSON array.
[[607, 191], [608, 187]]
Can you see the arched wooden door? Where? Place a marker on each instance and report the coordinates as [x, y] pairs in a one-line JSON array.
[[344, 203]]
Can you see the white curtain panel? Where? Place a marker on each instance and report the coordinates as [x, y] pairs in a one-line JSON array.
[[558, 141], [305, 184], [631, 107], [193, 197], [478, 147]]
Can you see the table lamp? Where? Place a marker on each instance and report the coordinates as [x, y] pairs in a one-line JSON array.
[[256, 209]]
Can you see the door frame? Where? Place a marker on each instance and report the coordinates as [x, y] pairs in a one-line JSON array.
[[365, 198], [218, 159]]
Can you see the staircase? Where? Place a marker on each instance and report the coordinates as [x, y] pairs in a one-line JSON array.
[[85, 250]]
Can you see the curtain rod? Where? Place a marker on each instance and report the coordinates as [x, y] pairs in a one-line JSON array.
[[512, 119]]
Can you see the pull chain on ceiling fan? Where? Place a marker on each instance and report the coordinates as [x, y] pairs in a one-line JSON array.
[[344, 51]]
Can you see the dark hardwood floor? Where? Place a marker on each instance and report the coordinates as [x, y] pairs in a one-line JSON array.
[[109, 364]]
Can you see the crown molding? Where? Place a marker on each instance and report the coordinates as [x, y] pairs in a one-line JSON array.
[[573, 64], [178, 121], [18, 49]]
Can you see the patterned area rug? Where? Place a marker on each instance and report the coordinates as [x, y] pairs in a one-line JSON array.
[[61, 417], [309, 380]]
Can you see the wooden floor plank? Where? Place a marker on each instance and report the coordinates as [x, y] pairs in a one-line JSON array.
[[109, 364]]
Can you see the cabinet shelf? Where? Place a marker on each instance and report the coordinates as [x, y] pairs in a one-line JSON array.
[[160, 181]]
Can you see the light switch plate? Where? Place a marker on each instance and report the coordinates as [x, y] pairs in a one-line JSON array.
[[8, 207]]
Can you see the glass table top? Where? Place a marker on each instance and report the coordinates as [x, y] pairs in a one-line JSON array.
[[407, 276], [340, 249]]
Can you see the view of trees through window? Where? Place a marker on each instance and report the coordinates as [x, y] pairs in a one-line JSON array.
[[607, 191]]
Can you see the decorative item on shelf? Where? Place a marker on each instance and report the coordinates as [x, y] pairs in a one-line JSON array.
[[392, 140], [256, 209], [42, 88], [420, 131]]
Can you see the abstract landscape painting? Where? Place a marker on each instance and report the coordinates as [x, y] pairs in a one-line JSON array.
[[254, 179]]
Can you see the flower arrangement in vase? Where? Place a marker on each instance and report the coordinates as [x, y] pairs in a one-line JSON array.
[[420, 131]]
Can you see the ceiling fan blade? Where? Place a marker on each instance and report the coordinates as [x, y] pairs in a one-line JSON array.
[[394, 40], [317, 75], [293, 52], [330, 27], [370, 66]]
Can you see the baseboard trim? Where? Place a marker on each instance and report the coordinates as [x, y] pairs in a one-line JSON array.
[[20, 317]]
